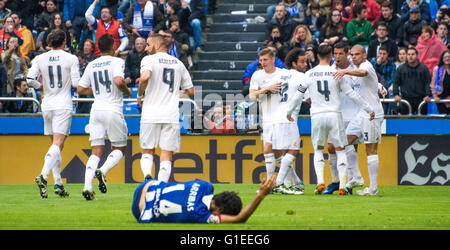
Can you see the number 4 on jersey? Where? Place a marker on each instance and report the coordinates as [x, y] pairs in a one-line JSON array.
[[323, 89]]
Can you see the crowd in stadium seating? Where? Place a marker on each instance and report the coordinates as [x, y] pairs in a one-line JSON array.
[[385, 28]]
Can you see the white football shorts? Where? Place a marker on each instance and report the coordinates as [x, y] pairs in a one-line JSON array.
[[166, 135], [328, 126], [103, 123], [285, 136], [57, 121], [267, 133], [367, 131]]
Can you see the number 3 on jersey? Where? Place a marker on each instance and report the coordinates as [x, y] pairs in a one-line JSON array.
[[323, 89]]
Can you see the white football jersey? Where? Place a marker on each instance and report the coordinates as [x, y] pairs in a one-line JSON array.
[[269, 102], [349, 108], [60, 71], [161, 100], [288, 91], [369, 90], [100, 75]]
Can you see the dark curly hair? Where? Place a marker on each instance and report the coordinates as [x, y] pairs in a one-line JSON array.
[[229, 202]]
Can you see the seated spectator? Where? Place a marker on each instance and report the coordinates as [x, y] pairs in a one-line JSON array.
[[440, 83], [295, 10], [359, 30], [133, 62], [283, 21], [311, 55], [276, 41], [179, 12], [43, 20], [401, 57], [430, 48], [301, 37], [3, 84], [334, 30], [106, 25], [413, 27], [219, 122], [15, 65], [393, 22], [179, 35], [372, 7], [442, 33], [143, 19], [174, 48], [197, 19], [315, 20], [412, 83], [20, 90], [385, 68], [55, 23], [74, 18], [7, 32], [88, 53], [4, 12], [270, 11], [28, 41], [424, 7], [382, 40], [325, 6]]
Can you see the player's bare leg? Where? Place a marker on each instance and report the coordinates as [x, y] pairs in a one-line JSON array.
[[147, 162], [165, 168]]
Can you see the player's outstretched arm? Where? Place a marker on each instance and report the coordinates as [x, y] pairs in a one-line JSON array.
[[264, 189], [356, 98], [352, 72]]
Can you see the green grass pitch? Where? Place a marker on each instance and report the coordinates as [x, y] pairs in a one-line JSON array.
[[396, 208]]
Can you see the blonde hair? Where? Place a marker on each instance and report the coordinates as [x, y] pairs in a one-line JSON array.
[[308, 35]]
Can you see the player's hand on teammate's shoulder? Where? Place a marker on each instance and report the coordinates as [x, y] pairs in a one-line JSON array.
[[275, 88], [339, 74]]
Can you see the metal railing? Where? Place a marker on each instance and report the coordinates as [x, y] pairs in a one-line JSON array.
[[392, 100], [419, 109], [16, 99]]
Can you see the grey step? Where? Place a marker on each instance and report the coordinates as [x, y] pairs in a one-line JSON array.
[[250, 8], [236, 37], [222, 65], [226, 18], [210, 85], [232, 46], [229, 55], [218, 75], [238, 27], [272, 2]]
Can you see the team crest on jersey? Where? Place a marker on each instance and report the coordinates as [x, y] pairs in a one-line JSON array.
[[213, 219]]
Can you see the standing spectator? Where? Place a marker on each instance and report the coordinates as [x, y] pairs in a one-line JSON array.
[[393, 22], [440, 83], [20, 90], [372, 7], [106, 25], [412, 83], [359, 30], [133, 62], [55, 23], [295, 10], [282, 21], [7, 32], [142, 19], [315, 20], [430, 48], [28, 41], [442, 32], [382, 39], [276, 41], [334, 30], [4, 12], [14, 63], [424, 7], [43, 19], [385, 68], [74, 18], [301, 37], [413, 27], [401, 56]]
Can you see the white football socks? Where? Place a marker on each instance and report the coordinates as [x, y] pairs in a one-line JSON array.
[[319, 165], [270, 164], [285, 169], [91, 166], [164, 171], [332, 160], [342, 168], [57, 170], [50, 160], [352, 162], [372, 166], [113, 159], [146, 164]]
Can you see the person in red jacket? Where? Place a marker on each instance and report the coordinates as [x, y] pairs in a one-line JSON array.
[[106, 25], [373, 10], [7, 32]]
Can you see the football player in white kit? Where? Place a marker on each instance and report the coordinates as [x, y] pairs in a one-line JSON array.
[[60, 72], [104, 78], [162, 77], [326, 117], [286, 136], [265, 86], [360, 129]]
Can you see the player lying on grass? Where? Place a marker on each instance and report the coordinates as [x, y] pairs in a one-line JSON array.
[[192, 202]]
